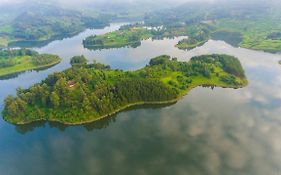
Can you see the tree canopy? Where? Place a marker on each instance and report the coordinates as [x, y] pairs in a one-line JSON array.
[[87, 93]]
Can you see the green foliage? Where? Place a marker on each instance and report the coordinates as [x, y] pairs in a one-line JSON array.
[[17, 60], [197, 35], [160, 60], [90, 92], [10, 53], [126, 36], [252, 25], [229, 79], [232, 66], [44, 59], [78, 61], [46, 23], [232, 38], [8, 56]]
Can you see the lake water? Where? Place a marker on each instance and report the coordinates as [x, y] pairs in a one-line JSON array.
[[220, 131]]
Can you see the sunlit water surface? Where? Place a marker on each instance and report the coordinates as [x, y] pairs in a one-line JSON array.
[[220, 131]]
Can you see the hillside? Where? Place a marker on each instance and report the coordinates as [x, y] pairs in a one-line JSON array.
[[37, 24], [253, 25]]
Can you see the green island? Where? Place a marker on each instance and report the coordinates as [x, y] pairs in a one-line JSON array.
[[126, 36], [19, 60], [89, 92]]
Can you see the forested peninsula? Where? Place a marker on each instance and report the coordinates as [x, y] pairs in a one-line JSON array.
[[18, 60], [90, 92]]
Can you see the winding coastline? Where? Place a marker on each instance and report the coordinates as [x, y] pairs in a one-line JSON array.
[[121, 109]]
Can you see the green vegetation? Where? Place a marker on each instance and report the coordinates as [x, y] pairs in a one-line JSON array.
[[260, 34], [232, 38], [19, 60], [91, 92], [198, 35], [131, 35], [44, 23], [127, 36], [78, 61], [252, 25], [280, 62]]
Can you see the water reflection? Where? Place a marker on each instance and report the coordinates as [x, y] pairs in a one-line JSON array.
[[195, 136], [131, 45], [98, 125], [38, 44], [232, 38], [219, 131], [23, 129]]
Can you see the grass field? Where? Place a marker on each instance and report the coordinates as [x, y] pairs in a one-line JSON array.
[[23, 64], [254, 32]]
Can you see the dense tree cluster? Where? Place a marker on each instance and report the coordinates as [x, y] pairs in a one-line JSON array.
[[129, 35], [88, 92], [93, 41], [44, 59], [10, 53], [78, 60]]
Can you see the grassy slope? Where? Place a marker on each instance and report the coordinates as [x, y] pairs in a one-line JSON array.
[[254, 32], [23, 64]]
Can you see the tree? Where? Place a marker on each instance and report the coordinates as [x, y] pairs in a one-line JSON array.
[[55, 100], [78, 60]]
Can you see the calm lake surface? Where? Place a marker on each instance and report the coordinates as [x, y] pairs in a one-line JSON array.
[[220, 131]]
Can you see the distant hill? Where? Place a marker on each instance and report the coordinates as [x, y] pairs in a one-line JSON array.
[[38, 22]]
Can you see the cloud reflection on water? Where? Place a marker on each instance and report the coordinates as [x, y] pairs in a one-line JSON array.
[[220, 131]]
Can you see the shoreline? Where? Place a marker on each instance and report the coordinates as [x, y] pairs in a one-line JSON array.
[[131, 105], [32, 68]]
